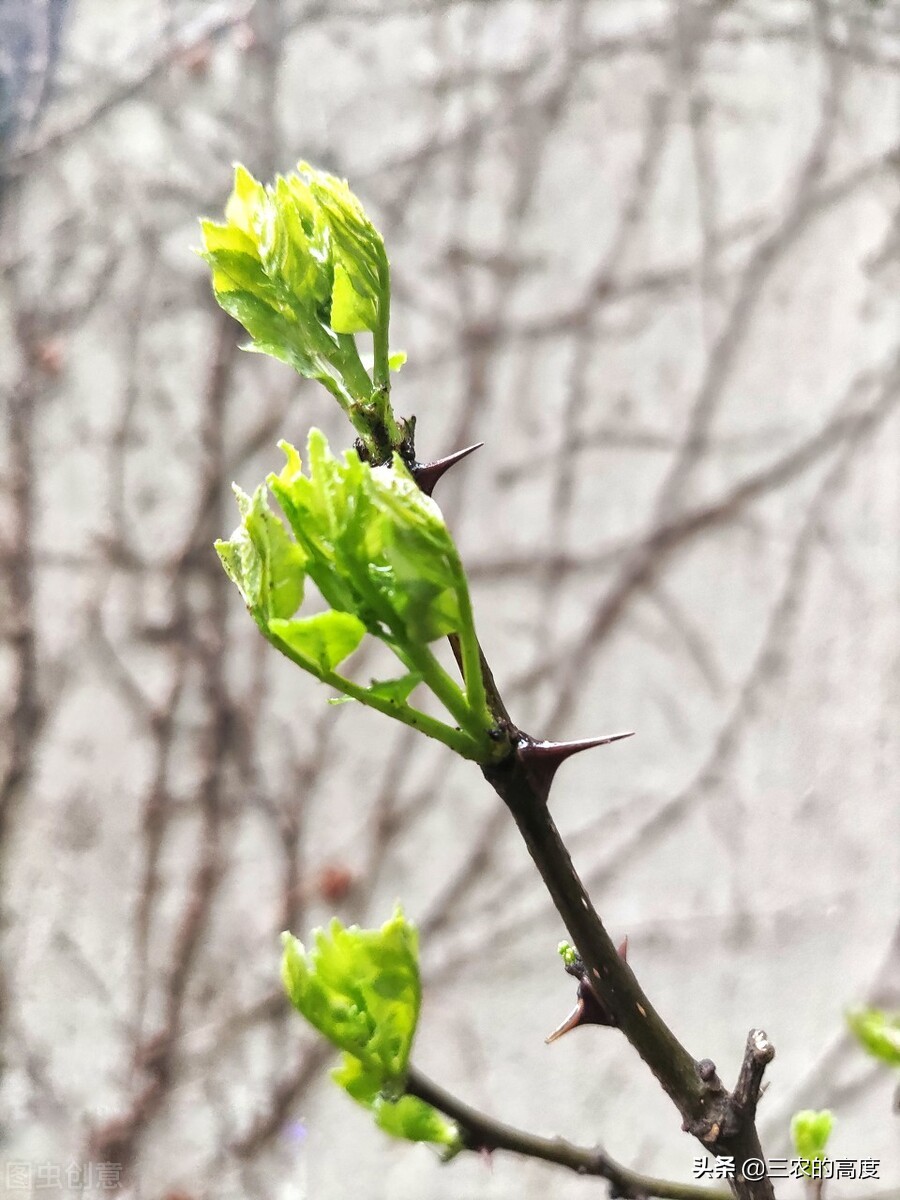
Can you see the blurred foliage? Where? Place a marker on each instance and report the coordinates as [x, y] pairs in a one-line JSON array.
[[360, 988]]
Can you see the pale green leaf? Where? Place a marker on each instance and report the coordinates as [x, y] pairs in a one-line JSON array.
[[360, 988], [323, 640], [810, 1132], [299, 264], [222, 238], [350, 311], [261, 558], [879, 1033], [395, 691], [376, 546], [405, 1117], [246, 204]]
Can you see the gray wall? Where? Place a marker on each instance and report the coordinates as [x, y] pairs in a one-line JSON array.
[[649, 253]]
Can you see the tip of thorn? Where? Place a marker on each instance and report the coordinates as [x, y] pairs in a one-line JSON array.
[[557, 751], [610, 738], [543, 758], [572, 1021]]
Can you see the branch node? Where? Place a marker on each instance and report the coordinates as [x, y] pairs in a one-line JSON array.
[[706, 1069], [589, 1008]]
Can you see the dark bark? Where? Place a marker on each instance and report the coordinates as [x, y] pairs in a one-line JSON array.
[[480, 1132], [722, 1122]]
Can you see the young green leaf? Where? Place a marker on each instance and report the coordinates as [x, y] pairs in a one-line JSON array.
[[392, 691], [302, 268], [397, 691], [351, 312], [406, 1117], [262, 559], [358, 248], [378, 548], [323, 641], [879, 1033], [382, 558], [360, 988], [810, 1132], [567, 953], [375, 544]]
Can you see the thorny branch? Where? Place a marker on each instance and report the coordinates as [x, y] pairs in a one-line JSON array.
[[723, 1123]]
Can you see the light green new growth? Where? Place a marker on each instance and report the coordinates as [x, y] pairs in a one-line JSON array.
[[879, 1033], [567, 953], [810, 1132], [304, 270], [405, 1117], [360, 988], [380, 554]]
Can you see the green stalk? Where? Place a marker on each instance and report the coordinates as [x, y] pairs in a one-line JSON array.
[[446, 689], [457, 739], [419, 658], [471, 651], [350, 365], [382, 371], [460, 741]]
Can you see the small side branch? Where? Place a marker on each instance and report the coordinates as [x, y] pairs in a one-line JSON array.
[[483, 1133], [757, 1056]]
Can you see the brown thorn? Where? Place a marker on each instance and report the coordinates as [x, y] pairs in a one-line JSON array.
[[623, 948], [543, 759], [572, 1021], [427, 475]]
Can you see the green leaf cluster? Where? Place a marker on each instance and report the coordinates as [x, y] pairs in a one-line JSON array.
[[360, 988], [380, 554], [567, 953], [810, 1132], [302, 268], [879, 1033]]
